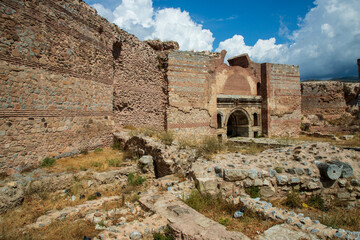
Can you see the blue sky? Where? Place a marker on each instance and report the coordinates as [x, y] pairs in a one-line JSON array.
[[322, 36]]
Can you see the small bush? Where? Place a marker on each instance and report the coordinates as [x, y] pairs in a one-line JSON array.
[[48, 162], [130, 154], [224, 221], [114, 162], [117, 144], [165, 235], [210, 145], [84, 151], [253, 191], [293, 200], [279, 169], [149, 132], [206, 202], [97, 150], [316, 201], [166, 137], [135, 180]]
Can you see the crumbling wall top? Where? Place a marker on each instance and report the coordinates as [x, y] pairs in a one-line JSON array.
[[242, 60]]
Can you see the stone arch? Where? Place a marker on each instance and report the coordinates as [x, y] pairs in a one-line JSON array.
[[238, 123]]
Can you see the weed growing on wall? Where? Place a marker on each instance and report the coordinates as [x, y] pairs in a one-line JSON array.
[[254, 192]]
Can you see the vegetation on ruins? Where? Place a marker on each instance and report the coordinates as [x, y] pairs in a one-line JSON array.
[[253, 191], [164, 235], [97, 150], [48, 162], [208, 146], [316, 201], [218, 209], [135, 180], [293, 200], [166, 137]]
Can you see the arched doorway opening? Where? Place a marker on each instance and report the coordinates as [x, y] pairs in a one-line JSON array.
[[219, 122], [238, 124], [256, 120], [258, 89]]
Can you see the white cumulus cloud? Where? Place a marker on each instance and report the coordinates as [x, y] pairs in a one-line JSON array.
[[326, 44], [139, 18]]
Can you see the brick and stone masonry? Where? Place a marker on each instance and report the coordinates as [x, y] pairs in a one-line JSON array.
[[69, 79], [192, 92], [63, 69], [281, 111]]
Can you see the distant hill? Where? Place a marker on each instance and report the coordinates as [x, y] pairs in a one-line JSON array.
[[340, 79]]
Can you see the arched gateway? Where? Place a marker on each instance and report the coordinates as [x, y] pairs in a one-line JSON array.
[[238, 124]]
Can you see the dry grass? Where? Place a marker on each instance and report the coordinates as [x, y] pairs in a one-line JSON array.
[[336, 215], [39, 204], [98, 161], [253, 148], [355, 142], [216, 208], [67, 229], [33, 207]]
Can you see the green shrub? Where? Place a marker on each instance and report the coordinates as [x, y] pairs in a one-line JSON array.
[[206, 202], [253, 191], [48, 162], [97, 150], [224, 221], [135, 180], [130, 154], [149, 132], [279, 169], [114, 162], [316, 201], [117, 144], [166, 137], [293, 200], [165, 235]]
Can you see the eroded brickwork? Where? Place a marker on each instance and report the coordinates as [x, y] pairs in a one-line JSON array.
[[329, 99], [282, 99], [140, 96], [56, 81], [192, 92], [61, 65]]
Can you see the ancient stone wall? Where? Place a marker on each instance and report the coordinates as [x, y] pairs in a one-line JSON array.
[[329, 99], [281, 114], [192, 92], [61, 65], [330, 106], [140, 87]]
